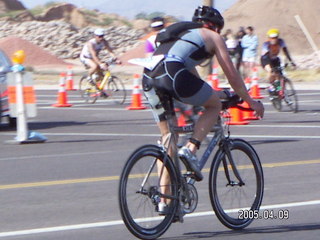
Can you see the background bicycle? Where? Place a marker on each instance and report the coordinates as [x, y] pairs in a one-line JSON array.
[[282, 91], [151, 177], [103, 85]]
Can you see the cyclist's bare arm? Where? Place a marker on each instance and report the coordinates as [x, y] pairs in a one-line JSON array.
[[287, 54], [107, 46], [216, 44]]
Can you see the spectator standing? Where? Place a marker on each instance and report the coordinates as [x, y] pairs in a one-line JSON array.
[[249, 44], [232, 44], [239, 37]]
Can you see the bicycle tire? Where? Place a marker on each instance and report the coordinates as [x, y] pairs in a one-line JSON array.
[[116, 90], [290, 95], [277, 103], [228, 200], [87, 91], [138, 205]]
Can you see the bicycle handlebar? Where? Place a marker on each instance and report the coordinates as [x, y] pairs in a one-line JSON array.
[[233, 100]]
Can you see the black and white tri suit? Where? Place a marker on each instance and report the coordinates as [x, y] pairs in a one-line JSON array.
[[173, 75]]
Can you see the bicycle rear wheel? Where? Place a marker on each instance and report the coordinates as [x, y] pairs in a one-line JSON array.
[[236, 188], [141, 188], [116, 90], [87, 91], [290, 95]]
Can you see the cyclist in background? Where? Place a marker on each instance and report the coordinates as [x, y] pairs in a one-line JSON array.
[[156, 25], [89, 55], [270, 52], [174, 74]]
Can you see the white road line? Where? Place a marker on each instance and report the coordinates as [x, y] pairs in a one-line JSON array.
[[157, 135], [52, 155], [280, 126], [120, 222]]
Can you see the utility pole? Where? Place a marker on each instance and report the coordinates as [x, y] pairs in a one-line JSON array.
[[205, 71], [209, 3]]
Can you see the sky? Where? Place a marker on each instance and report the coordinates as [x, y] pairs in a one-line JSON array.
[[182, 9]]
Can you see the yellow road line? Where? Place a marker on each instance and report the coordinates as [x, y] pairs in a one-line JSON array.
[[113, 178]]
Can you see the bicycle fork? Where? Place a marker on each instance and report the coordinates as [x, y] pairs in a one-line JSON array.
[[229, 159]]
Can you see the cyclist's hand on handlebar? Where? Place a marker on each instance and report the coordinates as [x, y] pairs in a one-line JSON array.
[[258, 107], [293, 65], [116, 60], [103, 66]]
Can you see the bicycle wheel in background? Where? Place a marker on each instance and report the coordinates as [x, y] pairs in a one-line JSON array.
[[290, 95], [276, 102], [116, 90], [140, 190], [88, 91], [230, 197]]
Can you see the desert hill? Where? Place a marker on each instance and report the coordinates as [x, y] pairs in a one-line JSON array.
[[266, 14]]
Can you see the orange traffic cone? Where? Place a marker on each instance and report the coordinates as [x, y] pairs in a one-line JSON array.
[[181, 121], [247, 82], [255, 91], [62, 94], [248, 115], [69, 86], [214, 78], [236, 117], [136, 95]]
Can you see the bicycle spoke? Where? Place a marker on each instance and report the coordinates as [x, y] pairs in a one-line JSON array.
[[116, 90], [144, 183], [236, 183]]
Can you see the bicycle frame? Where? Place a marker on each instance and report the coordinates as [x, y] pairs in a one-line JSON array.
[[104, 81]]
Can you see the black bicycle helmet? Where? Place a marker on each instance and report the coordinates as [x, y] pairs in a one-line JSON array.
[[205, 13]]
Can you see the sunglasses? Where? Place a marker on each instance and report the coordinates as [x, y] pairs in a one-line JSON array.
[[100, 36]]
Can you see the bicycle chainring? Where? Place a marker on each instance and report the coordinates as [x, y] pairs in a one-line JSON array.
[[189, 198]]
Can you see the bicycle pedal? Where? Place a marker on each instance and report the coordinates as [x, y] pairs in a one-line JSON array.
[[177, 219], [104, 95]]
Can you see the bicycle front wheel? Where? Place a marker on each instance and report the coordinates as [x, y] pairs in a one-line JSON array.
[[116, 90], [148, 178], [276, 102], [236, 184], [290, 95], [87, 90]]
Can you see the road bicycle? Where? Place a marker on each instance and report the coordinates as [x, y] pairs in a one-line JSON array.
[[151, 176], [282, 90], [102, 85]]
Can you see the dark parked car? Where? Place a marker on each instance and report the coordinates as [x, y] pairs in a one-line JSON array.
[[5, 67]]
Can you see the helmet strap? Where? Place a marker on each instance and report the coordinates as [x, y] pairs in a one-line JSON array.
[[211, 26]]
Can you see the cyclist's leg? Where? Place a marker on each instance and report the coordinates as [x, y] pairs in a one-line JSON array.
[[158, 113], [198, 93], [93, 67], [206, 120], [265, 63]]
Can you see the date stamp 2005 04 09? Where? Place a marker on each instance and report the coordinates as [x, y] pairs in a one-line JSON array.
[[282, 214]]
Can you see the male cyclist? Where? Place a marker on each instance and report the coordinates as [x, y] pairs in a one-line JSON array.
[[270, 52], [156, 25], [90, 52], [174, 74]]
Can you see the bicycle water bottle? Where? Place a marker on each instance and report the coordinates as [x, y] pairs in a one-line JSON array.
[[277, 85]]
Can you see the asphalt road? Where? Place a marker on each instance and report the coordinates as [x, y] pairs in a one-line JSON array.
[[66, 188]]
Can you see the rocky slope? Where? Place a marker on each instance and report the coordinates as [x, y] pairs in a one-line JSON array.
[[66, 41]]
